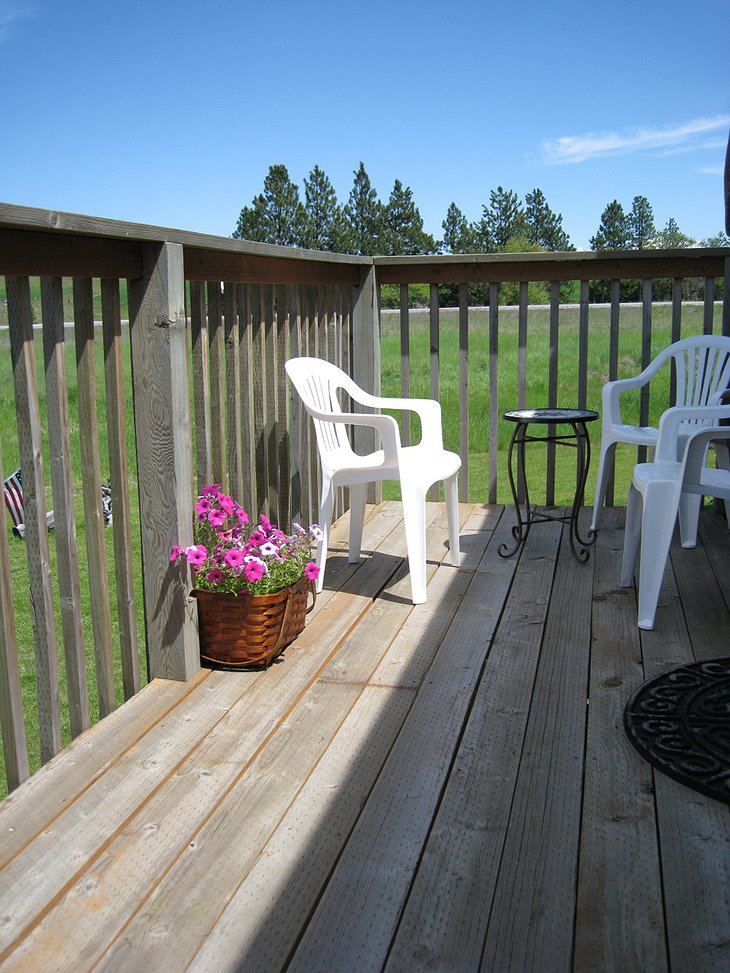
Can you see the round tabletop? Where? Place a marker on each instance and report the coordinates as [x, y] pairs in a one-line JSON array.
[[551, 415]]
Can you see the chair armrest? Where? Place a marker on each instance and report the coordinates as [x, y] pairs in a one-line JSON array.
[[694, 461], [427, 410], [385, 426], [613, 390], [671, 420]]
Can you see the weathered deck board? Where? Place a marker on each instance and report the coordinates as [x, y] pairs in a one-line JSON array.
[[619, 917], [409, 788]]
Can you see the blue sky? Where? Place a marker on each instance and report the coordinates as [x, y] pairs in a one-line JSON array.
[[172, 112]]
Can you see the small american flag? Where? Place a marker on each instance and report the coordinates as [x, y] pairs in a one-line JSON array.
[[13, 492]]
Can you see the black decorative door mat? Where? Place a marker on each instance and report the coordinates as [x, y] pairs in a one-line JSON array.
[[680, 722]]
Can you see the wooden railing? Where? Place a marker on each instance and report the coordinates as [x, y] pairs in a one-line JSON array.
[[211, 322]]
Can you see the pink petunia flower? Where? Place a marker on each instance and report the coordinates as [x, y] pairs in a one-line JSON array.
[[215, 576], [268, 549], [175, 553], [234, 558], [265, 522], [202, 507], [316, 531], [254, 570], [242, 516], [226, 503], [196, 555], [212, 490], [311, 571], [216, 518]]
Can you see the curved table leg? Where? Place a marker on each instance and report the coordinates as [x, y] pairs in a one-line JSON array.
[[583, 444], [519, 535]]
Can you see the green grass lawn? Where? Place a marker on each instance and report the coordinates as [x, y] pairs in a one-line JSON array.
[[537, 358]]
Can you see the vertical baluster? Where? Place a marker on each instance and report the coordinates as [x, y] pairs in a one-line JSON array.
[[615, 323], [91, 477], [12, 723], [20, 320], [676, 334], [708, 314], [201, 384], [464, 391], [245, 339], [646, 309], [59, 443], [217, 378], [121, 521], [234, 411], [434, 358], [494, 414], [269, 496], [552, 386], [405, 364]]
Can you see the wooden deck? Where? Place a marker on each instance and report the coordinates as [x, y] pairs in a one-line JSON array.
[[446, 787]]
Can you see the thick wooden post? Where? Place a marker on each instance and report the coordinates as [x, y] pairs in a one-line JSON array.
[[365, 357], [161, 382]]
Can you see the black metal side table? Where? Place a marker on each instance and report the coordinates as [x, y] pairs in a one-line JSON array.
[[577, 439]]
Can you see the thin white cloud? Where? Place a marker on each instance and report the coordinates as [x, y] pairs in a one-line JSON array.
[[10, 15], [710, 170], [688, 136]]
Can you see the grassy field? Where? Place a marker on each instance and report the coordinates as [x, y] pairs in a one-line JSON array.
[[537, 358]]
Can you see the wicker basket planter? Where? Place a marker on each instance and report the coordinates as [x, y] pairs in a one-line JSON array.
[[243, 630]]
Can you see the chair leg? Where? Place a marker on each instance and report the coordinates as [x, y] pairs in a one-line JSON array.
[[451, 494], [659, 516], [689, 518], [325, 519], [722, 461], [358, 496], [414, 516], [605, 467], [632, 537]]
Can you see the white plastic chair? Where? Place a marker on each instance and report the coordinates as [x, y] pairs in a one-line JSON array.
[[658, 492], [417, 467], [702, 371]]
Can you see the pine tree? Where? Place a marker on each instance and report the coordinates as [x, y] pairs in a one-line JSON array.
[[614, 233], [252, 223], [672, 238], [276, 215], [324, 224], [641, 223], [404, 233], [364, 213], [458, 235], [544, 227], [503, 219]]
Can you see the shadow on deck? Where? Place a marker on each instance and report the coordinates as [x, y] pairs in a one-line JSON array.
[[441, 787]]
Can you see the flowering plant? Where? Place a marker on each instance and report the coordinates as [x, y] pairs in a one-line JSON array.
[[232, 555]]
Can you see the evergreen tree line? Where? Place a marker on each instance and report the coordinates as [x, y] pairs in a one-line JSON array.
[[367, 225]]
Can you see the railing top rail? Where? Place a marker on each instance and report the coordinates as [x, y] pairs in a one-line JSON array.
[[572, 265], [34, 243], [29, 227]]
